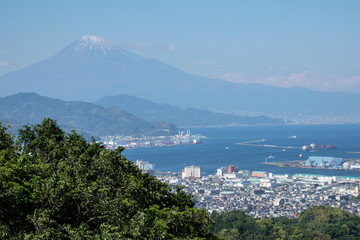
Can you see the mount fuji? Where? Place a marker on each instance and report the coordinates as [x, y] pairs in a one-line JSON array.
[[91, 68]]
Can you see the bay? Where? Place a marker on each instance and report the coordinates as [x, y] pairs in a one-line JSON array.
[[220, 148]]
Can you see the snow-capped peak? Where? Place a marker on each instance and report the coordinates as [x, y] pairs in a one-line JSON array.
[[92, 44], [92, 39]]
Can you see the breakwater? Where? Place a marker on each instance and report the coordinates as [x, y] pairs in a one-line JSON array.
[[253, 144]]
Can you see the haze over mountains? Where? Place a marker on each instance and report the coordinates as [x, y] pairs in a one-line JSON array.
[[141, 117], [86, 118], [153, 112], [90, 69]]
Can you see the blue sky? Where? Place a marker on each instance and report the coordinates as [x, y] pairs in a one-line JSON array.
[[314, 44]]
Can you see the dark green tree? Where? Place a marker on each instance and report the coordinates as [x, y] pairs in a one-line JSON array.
[[6, 140], [7, 144]]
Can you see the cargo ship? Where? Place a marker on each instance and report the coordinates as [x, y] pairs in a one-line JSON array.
[[197, 141], [314, 146]]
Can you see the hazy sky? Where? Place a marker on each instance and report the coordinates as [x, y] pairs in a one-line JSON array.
[[313, 43]]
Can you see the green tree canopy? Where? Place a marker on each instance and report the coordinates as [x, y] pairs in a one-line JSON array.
[[59, 186], [316, 222]]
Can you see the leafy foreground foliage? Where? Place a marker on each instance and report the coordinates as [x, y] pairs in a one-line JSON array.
[[58, 186], [317, 222]]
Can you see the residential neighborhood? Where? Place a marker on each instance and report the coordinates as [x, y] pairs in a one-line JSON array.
[[262, 194]]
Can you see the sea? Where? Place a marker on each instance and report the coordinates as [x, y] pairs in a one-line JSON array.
[[219, 148]]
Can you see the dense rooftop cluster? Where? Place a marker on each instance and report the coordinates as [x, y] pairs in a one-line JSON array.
[[270, 195]]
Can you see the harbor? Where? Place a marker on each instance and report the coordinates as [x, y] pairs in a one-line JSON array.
[[220, 148]]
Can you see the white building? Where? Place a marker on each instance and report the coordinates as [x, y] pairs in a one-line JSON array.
[[231, 175], [279, 201], [221, 171], [191, 172], [326, 179], [145, 166], [268, 182]]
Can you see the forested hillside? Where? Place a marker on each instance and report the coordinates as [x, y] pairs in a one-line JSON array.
[[154, 112], [90, 119]]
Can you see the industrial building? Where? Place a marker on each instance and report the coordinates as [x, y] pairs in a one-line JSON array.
[[326, 162], [259, 174]]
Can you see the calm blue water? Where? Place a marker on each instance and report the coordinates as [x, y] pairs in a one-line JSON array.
[[212, 153]]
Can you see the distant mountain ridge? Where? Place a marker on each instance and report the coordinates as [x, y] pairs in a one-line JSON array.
[[90, 69], [151, 111], [91, 119]]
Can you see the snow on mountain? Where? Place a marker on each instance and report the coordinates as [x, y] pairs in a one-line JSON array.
[[93, 45], [92, 39], [89, 43]]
